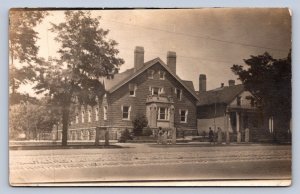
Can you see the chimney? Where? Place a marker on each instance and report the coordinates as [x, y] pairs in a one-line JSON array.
[[231, 82], [222, 85], [202, 83], [171, 60], [138, 57]]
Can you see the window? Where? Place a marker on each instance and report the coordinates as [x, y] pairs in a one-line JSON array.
[[183, 116], [82, 116], [97, 114], [150, 74], [105, 113], [156, 90], [77, 118], [163, 113], [89, 116], [161, 91], [126, 112], [238, 101], [178, 93], [271, 124], [161, 75], [132, 89]]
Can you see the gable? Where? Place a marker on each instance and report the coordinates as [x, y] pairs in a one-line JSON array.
[[131, 74], [244, 99]]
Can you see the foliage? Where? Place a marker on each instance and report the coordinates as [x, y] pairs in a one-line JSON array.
[[31, 119], [22, 45], [147, 131], [139, 123], [269, 80], [125, 136], [86, 56]]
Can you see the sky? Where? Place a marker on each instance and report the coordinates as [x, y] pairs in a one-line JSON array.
[[207, 41]]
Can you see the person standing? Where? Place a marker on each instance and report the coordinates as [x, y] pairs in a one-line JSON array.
[[159, 135], [211, 136]]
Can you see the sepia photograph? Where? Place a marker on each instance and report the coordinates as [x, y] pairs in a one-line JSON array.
[[150, 97]]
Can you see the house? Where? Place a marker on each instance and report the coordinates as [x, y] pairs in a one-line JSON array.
[[150, 88], [230, 108]]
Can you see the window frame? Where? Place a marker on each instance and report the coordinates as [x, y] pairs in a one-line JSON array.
[[82, 116], [77, 118], [185, 115], [96, 114], [128, 113], [105, 108], [153, 89], [134, 90], [89, 115], [165, 113], [180, 94], [150, 74], [162, 73]]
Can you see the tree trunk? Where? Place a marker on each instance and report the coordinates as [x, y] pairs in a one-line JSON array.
[[65, 122]]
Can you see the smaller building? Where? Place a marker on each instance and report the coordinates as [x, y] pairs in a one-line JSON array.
[[230, 108]]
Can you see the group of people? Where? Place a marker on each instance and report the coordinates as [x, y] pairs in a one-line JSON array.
[[213, 136], [163, 136]]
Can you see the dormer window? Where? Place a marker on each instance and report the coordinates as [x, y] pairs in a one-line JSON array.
[[162, 75], [132, 89], [150, 74]]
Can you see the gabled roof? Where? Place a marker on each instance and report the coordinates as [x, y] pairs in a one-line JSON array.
[[120, 79], [223, 95]]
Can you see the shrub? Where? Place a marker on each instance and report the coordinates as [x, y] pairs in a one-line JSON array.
[[139, 123], [147, 132], [125, 135]]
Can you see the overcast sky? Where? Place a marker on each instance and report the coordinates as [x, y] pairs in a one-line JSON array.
[[207, 41]]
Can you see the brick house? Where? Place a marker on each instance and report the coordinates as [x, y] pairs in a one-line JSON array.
[[149, 88]]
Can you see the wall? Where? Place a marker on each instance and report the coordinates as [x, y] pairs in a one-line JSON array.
[[204, 124]]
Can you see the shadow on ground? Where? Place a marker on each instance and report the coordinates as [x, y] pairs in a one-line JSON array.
[[51, 147]]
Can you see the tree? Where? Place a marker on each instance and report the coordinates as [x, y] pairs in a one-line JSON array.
[[22, 47], [86, 56], [269, 80], [139, 123], [32, 118]]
